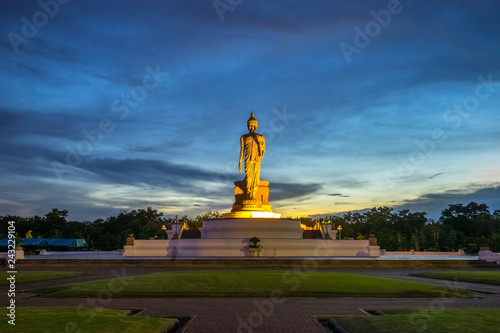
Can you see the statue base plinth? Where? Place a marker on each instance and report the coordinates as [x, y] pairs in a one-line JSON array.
[[246, 214], [253, 208], [245, 228]]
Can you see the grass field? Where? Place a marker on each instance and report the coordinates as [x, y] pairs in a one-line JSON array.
[[253, 283], [75, 319], [485, 277], [425, 320], [35, 276]]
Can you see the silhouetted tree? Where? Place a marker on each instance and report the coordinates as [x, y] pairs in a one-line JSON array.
[[198, 222]]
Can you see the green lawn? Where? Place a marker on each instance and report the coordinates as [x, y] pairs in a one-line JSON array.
[[486, 277], [253, 283], [75, 319], [35, 276], [424, 320]]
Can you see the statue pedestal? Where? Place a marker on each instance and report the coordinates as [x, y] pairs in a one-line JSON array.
[[260, 208], [240, 228], [228, 238], [231, 248]]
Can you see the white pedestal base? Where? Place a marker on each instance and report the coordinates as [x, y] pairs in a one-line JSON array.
[[251, 215], [248, 228], [271, 247], [230, 238]]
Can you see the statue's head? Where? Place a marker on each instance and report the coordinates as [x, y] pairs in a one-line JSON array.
[[252, 123]]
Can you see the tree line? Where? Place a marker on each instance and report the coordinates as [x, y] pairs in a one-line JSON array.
[[459, 227], [106, 235], [468, 227]]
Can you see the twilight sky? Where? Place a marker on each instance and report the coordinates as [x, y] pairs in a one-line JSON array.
[[117, 105]]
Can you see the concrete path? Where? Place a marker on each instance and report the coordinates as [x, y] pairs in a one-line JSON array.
[[476, 287]]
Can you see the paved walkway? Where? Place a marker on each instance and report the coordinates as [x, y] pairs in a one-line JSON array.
[[261, 315], [476, 287], [254, 314]]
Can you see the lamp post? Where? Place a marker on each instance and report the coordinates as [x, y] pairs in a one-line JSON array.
[[324, 225], [339, 228], [176, 232], [174, 226], [329, 222], [164, 229]]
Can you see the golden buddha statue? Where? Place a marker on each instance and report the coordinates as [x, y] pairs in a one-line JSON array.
[[252, 148]]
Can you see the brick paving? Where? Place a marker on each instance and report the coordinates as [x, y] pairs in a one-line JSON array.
[[243, 315], [257, 314]]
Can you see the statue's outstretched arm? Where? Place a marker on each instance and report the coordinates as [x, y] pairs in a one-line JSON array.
[[242, 149]]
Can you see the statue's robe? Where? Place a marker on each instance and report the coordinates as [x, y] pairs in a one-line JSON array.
[[254, 146]]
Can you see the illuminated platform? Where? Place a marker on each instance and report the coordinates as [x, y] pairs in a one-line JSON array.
[[251, 214], [271, 247], [230, 238], [261, 228]]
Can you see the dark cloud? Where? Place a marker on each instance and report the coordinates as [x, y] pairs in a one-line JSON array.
[[31, 69], [434, 203], [417, 177], [139, 172], [338, 195], [351, 183], [15, 124], [283, 191]]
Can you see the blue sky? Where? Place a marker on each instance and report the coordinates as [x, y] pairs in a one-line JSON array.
[[117, 105]]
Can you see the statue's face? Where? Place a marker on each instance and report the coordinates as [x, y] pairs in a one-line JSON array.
[[252, 127]]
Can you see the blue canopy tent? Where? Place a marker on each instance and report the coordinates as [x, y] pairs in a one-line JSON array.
[[40, 242], [51, 244]]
